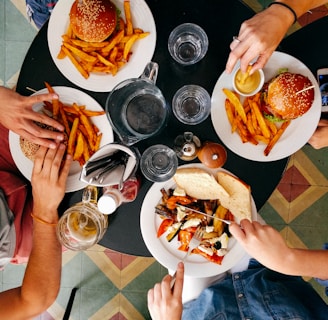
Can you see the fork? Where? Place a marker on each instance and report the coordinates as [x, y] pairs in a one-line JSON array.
[[194, 243]]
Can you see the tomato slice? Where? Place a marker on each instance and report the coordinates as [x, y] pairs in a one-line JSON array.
[[214, 258], [164, 226]]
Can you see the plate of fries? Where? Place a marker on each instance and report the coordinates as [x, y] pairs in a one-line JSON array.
[[92, 110], [104, 71], [274, 141], [167, 253]]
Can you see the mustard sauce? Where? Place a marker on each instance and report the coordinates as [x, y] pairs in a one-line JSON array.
[[248, 84]]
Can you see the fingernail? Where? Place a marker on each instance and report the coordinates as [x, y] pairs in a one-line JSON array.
[[55, 96], [62, 146], [52, 146], [60, 137]]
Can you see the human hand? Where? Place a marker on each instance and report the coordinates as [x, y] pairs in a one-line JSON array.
[[164, 303], [262, 242], [320, 137], [17, 115], [258, 38], [49, 181]]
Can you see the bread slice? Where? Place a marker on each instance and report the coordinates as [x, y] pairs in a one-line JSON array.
[[239, 200], [199, 184]]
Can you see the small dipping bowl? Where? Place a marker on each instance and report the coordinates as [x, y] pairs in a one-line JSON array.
[[251, 85]]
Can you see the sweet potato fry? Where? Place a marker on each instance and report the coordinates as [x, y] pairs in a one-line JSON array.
[[276, 137], [55, 102], [79, 146], [72, 137], [128, 18], [77, 65]]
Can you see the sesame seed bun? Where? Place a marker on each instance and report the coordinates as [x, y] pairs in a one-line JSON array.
[[282, 98], [93, 20], [29, 149]]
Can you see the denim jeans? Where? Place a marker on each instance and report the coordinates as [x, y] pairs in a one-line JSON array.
[[258, 294]]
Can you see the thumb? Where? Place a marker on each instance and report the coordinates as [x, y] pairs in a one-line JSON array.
[[237, 232]]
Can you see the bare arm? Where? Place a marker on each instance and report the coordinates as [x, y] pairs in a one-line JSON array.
[[261, 35], [266, 245], [17, 115], [41, 281], [164, 303], [320, 137]]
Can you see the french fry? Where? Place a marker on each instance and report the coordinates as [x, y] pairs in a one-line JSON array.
[[128, 46], [77, 65], [81, 54], [276, 137], [79, 146], [127, 12], [236, 103], [55, 102], [72, 137], [260, 119]]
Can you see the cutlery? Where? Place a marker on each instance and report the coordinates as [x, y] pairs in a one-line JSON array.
[[205, 214], [194, 243]]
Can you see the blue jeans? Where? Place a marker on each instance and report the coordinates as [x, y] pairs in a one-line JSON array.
[[257, 293]]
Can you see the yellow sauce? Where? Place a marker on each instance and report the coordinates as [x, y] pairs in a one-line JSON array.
[[248, 84]]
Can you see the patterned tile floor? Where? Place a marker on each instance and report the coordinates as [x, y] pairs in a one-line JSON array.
[[113, 285]]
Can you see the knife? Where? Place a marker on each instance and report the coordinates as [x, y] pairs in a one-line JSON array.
[[205, 214]]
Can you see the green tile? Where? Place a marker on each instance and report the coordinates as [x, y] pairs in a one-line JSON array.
[[139, 301], [271, 216], [2, 22], [93, 277], [72, 272], [94, 299], [17, 27], [13, 274], [319, 158]]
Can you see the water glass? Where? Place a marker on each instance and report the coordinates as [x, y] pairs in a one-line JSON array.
[[188, 43], [158, 163], [191, 104]]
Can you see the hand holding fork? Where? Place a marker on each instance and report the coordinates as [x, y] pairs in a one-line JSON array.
[[194, 243]]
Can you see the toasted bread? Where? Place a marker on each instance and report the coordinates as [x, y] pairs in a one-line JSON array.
[[199, 184], [239, 200]]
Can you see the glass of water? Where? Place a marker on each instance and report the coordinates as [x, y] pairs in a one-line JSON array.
[[188, 43], [191, 104], [158, 163]]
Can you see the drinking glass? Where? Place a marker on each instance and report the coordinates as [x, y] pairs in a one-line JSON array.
[[188, 43], [158, 163], [191, 104]]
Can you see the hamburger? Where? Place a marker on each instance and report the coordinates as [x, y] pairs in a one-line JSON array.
[[29, 149], [285, 97], [93, 20]]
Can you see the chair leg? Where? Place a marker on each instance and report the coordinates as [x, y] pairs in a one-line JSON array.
[[70, 304]]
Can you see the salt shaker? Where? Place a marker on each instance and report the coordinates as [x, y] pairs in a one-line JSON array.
[[113, 196], [186, 146]]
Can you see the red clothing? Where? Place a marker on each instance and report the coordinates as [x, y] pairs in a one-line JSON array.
[[19, 198]]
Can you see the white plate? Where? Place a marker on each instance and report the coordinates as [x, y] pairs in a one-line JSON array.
[[66, 95], [167, 253], [296, 135], [143, 49]]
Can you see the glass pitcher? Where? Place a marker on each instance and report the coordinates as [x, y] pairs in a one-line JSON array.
[[82, 225]]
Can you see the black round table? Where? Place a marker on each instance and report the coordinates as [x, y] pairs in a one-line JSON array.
[[221, 21]]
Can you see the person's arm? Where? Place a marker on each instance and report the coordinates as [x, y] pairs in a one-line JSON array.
[[41, 281], [260, 36], [320, 137], [266, 245], [164, 302], [17, 115]]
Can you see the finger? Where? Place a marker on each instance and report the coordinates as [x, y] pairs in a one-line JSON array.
[[64, 172], [261, 62], [237, 232], [150, 297], [178, 286], [41, 97], [38, 160], [51, 144], [323, 123], [42, 118]]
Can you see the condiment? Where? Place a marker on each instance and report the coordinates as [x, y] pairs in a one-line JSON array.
[[247, 84], [113, 196]]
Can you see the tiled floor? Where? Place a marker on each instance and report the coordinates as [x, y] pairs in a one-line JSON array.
[[114, 286]]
